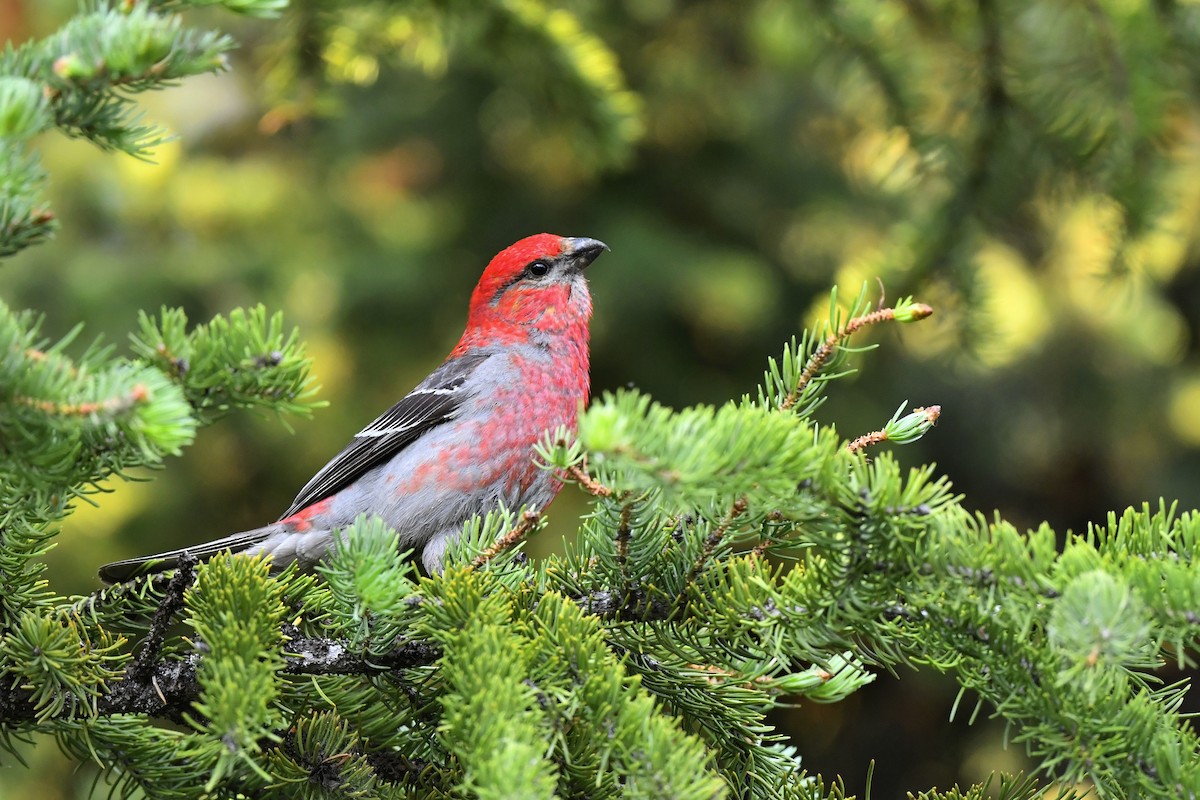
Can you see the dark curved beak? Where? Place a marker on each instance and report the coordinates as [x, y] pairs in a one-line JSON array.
[[583, 251]]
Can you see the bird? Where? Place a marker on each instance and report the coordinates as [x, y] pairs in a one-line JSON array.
[[462, 441]]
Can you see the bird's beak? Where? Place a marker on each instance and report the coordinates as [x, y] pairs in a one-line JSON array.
[[583, 251]]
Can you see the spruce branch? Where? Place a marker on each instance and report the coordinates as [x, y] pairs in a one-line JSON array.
[[592, 486], [1118, 70], [79, 81], [127, 603], [529, 521], [116, 406], [621, 541], [245, 359], [714, 539], [630, 605], [587, 84], [904, 311], [901, 430], [167, 689], [996, 105], [314, 655], [172, 602]]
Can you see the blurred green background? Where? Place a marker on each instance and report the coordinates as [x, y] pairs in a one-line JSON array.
[[1030, 169]]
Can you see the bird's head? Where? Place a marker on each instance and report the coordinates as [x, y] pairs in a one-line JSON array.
[[536, 286]]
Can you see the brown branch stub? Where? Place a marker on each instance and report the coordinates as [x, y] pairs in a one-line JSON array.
[[590, 485], [867, 440], [529, 519]]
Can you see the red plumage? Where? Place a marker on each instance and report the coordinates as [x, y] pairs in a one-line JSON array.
[[462, 441]]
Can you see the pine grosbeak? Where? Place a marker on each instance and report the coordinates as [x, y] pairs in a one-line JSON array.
[[461, 442]]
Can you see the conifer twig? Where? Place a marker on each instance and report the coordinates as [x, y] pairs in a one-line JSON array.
[[866, 440], [115, 595], [583, 478], [760, 549], [509, 540], [715, 536], [42, 357], [169, 687], [825, 351], [622, 541], [172, 602], [318, 656], [139, 394], [928, 417]]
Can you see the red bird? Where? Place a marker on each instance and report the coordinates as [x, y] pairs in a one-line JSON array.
[[460, 443]]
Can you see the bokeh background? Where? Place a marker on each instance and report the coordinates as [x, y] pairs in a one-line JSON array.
[[1031, 169]]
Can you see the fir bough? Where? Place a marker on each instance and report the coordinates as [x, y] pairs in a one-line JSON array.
[[643, 661], [735, 558], [82, 81]]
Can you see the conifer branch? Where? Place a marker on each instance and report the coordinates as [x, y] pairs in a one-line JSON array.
[[713, 540], [901, 431], [125, 599], [903, 312], [172, 602], [314, 655], [581, 475], [112, 406], [529, 520], [631, 605], [866, 440], [167, 689], [622, 537], [995, 104], [1118, 71]]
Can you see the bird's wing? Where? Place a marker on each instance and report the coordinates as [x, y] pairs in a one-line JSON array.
[[436, 400]]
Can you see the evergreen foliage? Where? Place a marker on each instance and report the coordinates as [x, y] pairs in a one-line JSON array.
[[80, 81], [642, 662], [736, 558]]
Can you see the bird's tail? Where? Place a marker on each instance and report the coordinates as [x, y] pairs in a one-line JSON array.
[[131, 568]]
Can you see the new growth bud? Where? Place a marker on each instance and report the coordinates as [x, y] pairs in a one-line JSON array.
[[912, 426], [908, 311], [72, 68]]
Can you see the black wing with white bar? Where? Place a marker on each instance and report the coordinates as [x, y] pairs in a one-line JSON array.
[[435, 401]]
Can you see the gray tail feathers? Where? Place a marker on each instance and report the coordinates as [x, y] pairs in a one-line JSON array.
[[160, 562]]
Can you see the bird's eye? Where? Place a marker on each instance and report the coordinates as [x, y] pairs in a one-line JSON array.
[[538, 268]]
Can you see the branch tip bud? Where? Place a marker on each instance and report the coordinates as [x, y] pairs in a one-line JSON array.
[[908, 311]]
